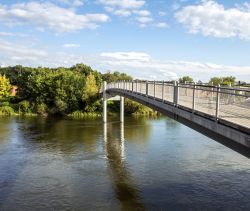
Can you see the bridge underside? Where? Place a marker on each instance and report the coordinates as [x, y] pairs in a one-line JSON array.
[[233, 136]]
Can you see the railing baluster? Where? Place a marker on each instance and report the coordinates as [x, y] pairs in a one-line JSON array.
[[154, 89], [217, 102], [163, 91], [193, 105]]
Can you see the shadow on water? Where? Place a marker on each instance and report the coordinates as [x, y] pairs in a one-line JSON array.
[[126, 191]]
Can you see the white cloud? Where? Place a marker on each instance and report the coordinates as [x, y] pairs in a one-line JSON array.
[[13, 51], [127, 8], [138, 64], [71, 45], [124, 4], [127, 56], [213, 19], [10, 34], [49, 15], [122, 12], [142, 12], [74, 3], [144, 20], [161, 25], [144, 66]]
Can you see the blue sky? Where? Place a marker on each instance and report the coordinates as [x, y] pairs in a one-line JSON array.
[[149, 39]]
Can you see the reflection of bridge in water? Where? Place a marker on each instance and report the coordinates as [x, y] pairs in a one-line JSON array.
[[126, 191], [222, 113]]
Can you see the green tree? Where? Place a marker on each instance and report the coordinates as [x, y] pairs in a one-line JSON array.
[[186, 79], [215, 81], [229, 80], [5, 86]]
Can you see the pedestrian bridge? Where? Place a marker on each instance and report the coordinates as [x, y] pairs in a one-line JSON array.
[[218, 112]]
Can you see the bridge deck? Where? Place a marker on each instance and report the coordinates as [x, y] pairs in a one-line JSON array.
[[224, 103]]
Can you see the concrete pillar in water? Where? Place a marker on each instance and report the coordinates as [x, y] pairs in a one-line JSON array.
[[104, 102], [121, 109]]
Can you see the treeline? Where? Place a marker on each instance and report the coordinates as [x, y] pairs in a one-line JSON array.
[[57, 91]]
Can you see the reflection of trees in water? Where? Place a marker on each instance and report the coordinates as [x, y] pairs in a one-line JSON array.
[[62, 134], [126, 191], [6, 128], [137, 130]]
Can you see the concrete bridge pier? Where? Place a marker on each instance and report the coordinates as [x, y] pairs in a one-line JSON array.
[[105, 98], [104, 102], [121, 109]]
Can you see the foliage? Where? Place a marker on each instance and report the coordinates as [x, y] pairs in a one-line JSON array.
[[41, 108], [5, 86], [24, 106], [229, 80], [116, 76], [6, 110], [186, 79]]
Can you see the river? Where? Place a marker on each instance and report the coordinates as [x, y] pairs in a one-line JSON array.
[[145, 164]]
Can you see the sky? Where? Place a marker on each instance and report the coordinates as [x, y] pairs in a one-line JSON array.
[[148, 39]]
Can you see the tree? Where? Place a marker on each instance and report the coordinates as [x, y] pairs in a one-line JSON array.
[[5, 86], [215, 81], [229, 80], [186, 79]]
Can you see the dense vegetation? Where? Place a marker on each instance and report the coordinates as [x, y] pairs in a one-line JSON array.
[[58, 91]]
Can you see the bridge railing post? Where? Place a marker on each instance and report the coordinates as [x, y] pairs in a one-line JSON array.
[[176, 93], [163, 90], [217, 113], [132, 86], [104, 102], [193, 104], [154, 89], [147, 88]]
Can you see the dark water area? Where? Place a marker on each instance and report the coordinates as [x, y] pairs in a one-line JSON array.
[[143, 164]]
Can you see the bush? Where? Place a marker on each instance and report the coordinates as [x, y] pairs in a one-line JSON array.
[[41, 108], [6, 110], [24, 106], [5, 104]]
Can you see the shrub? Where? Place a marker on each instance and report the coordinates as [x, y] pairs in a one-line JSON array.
[[6, 110], [41, 108], [5, 104], [24, 106]]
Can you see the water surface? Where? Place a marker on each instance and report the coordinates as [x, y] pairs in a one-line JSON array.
[[145, 164]]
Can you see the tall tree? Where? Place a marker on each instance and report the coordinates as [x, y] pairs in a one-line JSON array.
[[186, 79], [5, 86]]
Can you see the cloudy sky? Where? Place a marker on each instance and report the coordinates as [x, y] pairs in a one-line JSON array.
[[149, 39]]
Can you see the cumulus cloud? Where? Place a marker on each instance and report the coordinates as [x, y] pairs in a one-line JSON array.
[[124, 4], [161, 25], [127, 56], [213, 19], [49, 15], [71, 45], [138, 64], [126, 8], [141, 65]]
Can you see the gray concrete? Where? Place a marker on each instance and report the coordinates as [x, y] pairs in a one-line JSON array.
[[121, 109], [104, 102], [190, 117]]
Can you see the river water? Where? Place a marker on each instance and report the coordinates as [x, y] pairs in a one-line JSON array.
[[145, 164]]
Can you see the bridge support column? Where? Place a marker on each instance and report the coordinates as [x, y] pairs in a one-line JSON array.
[[104, 102], [121, 109]]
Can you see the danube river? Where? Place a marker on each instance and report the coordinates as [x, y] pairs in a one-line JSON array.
[[145, 164]]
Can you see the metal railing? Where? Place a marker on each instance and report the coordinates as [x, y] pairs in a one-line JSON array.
[[227, 103]]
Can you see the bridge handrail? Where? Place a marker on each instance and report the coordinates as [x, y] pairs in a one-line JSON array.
[[229, 103]]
